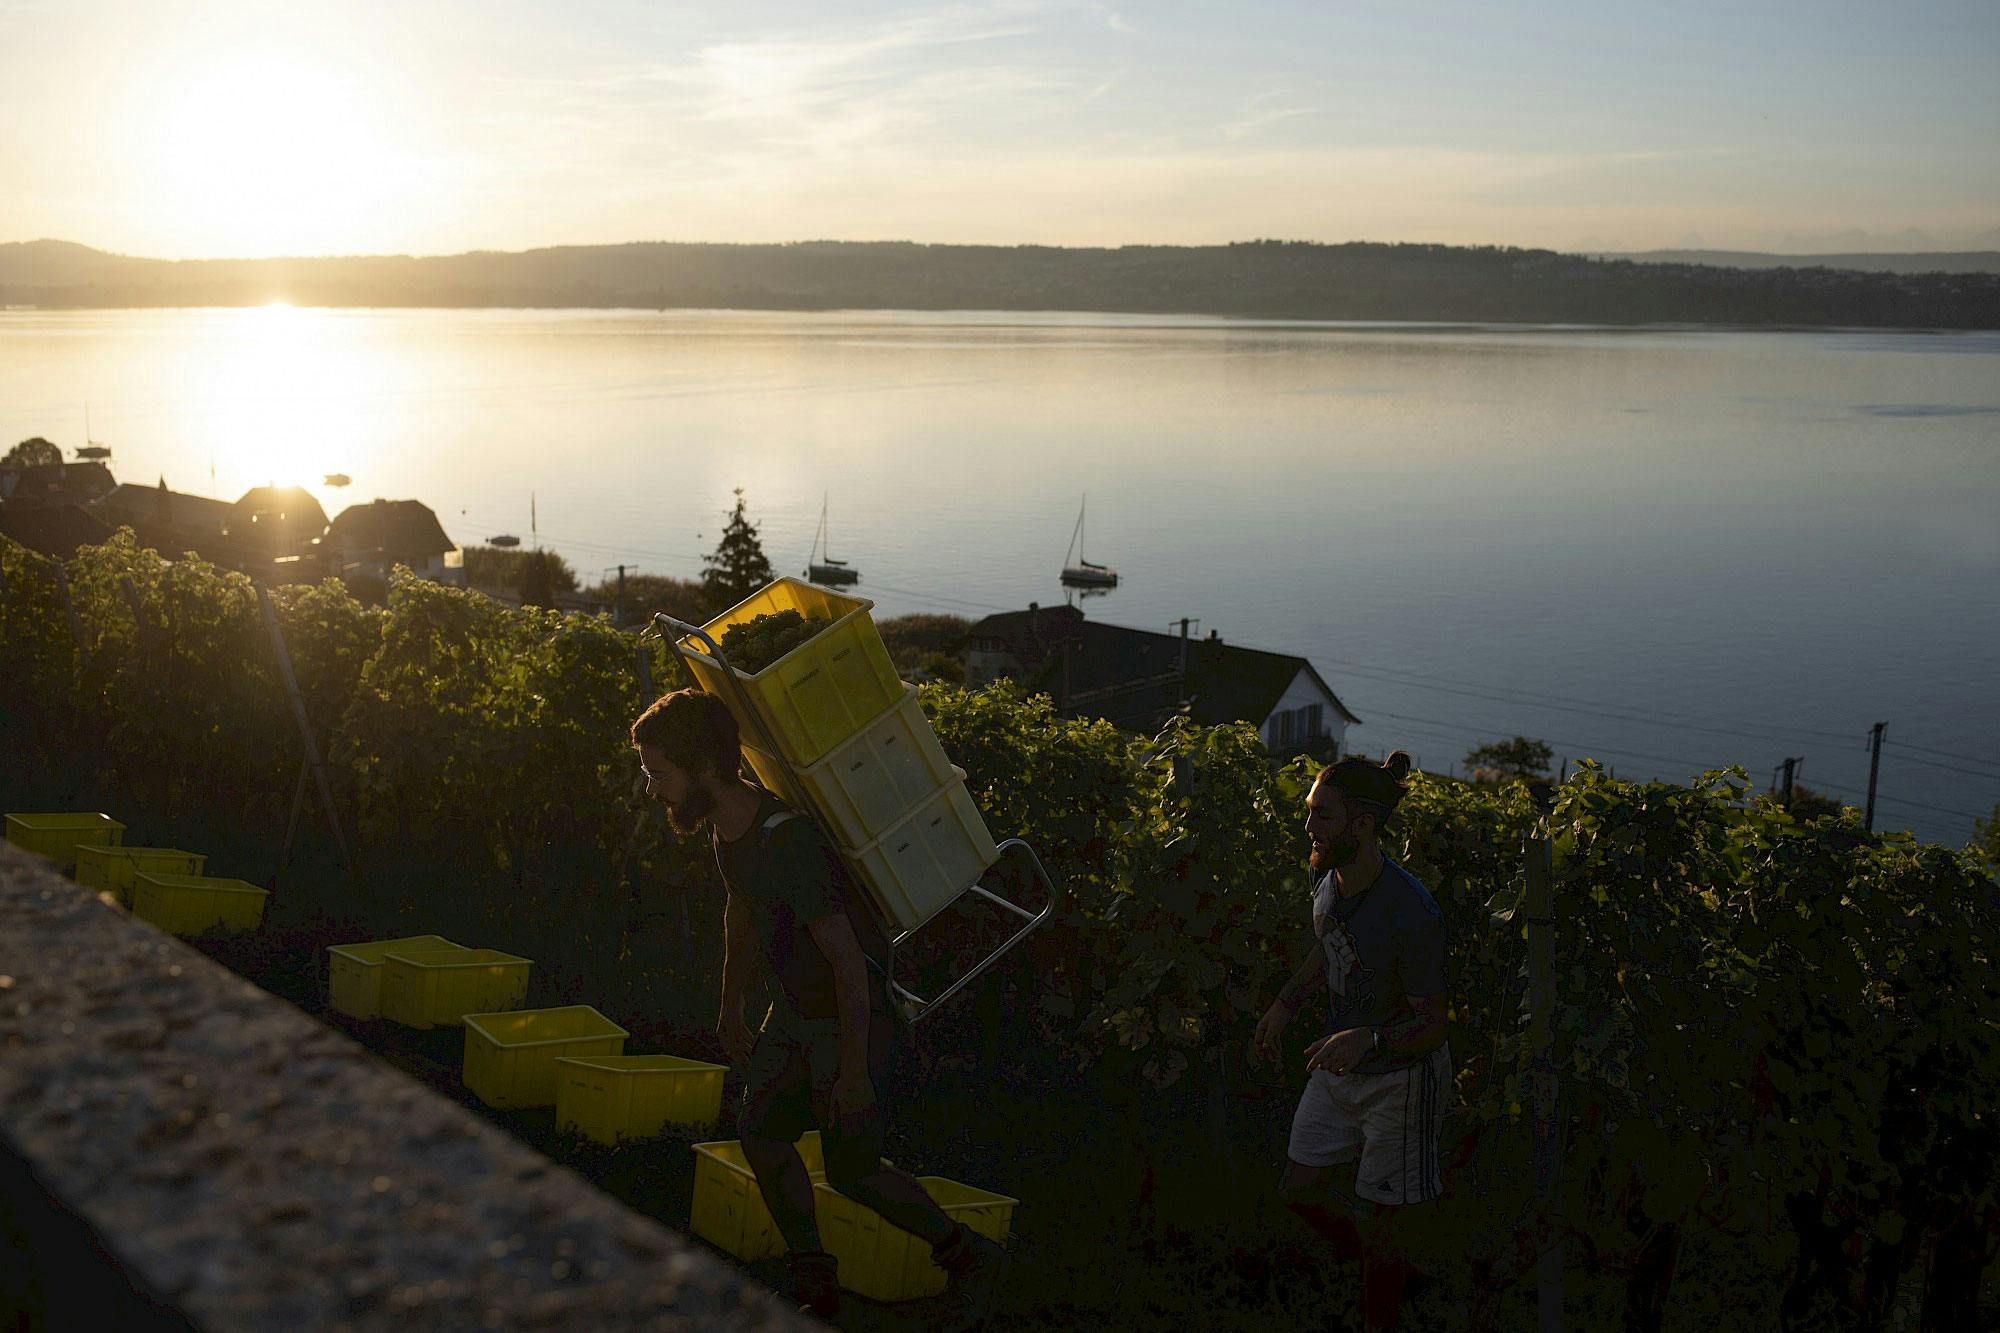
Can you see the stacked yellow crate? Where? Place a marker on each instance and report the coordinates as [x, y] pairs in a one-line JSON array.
[[854, 749]]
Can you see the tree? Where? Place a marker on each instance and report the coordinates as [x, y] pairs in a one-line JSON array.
[[1518, 758], [32, 452], [1986, 839], [738, 567], [683, 599], [542, 574]]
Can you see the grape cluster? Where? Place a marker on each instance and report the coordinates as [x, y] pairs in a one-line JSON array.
[[755, 644]]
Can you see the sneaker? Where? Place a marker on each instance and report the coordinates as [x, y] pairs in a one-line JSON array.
[[815, 1283], [975, 1267]]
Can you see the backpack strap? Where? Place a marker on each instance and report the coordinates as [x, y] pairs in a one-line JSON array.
[[765, 829]]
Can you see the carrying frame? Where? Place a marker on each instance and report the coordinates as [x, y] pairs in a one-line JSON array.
[[918, 1007]]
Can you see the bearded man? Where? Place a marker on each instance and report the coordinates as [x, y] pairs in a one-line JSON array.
[[1380, 1076], [833, 1034]]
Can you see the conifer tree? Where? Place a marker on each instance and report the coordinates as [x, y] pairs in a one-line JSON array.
[[738, 567]]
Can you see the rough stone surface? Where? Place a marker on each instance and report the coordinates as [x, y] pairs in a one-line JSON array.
[[251, 1168]]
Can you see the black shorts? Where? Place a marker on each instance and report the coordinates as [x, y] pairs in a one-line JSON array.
[[788, 1088]]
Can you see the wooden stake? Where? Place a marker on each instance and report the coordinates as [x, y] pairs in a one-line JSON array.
[[305, 726], [69, 605], [1539, 920]]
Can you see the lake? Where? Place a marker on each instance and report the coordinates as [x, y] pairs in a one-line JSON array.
[[1669, 549]]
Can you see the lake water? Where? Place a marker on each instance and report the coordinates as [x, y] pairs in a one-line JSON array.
[[1667, 549]]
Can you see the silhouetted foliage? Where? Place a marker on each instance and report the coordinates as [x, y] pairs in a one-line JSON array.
[[32, 452]]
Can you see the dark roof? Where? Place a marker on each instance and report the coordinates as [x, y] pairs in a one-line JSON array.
[[1133, 675], [154, 506], [395, 527], [284, 517], [54, 530], [60, 483]]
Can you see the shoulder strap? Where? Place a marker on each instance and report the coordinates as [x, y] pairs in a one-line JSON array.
[[778, 817]]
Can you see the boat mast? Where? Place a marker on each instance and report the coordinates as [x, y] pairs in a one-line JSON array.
[[1076, 534]]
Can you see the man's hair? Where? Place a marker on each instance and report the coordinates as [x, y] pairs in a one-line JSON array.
[[1371, 788], [695, 730]]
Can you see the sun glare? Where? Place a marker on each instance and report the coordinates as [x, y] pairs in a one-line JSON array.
[[280, 397], [265, 155]]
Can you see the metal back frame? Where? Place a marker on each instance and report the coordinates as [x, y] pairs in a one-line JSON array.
[[919, 1008]]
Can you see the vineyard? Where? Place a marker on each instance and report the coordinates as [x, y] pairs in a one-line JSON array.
[[1777, 1039]]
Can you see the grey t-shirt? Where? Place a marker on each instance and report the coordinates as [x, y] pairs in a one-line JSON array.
[[1383, 946]]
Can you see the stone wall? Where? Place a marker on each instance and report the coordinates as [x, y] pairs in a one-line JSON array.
[[178, 1147]]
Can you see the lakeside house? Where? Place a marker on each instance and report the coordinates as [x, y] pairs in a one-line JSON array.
[[373, 538], [1137, 679]]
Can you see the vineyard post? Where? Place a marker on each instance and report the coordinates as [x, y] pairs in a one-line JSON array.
[[69, 605], [132, 600], [645, 665], [305, 726], [1540, 924]]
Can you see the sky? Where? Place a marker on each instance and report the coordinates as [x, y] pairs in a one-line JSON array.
[[213, 128]]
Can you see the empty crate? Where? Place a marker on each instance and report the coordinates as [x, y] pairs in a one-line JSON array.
[[922, 864], [869, 781], [886, 1263], [354, 971], [426, 988], [111, 869], [57, 835], [613, 1097], [510, 1059], [195, 904], [821, 692], [729, 1211]]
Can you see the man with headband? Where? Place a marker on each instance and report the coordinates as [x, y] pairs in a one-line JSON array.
[[1379, 1078]]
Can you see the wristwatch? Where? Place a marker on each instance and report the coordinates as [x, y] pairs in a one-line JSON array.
[[1378, 1040]]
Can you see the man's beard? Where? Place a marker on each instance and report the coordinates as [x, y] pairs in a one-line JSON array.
[[1337, 851], [689, 815]]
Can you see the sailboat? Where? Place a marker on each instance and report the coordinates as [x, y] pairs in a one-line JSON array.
[[91, 448], [821, 567], [1082, 573]]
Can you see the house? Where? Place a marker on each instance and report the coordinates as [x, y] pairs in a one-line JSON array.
[[279, 520], [1138, 678], [54, 530], [374, 538], [55, 483], [168, 520]]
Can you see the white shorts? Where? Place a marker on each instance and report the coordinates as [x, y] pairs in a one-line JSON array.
[[1392, 1123]]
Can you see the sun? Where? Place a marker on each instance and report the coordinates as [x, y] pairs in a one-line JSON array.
[[267, 154]]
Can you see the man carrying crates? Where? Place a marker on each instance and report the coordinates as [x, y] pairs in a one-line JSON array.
[[834, 1031]]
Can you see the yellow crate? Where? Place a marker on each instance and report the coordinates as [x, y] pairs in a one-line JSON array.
[[729, 1211], [510, 1059], [613, 1097], [821, 692], [886, 1263], [196, 904], [57, 835], [110, 869], [422, 989], [354, 971], [926, 861], [870, 781]]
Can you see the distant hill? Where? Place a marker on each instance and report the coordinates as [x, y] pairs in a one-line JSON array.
[[1254, 279], [1922, 261]]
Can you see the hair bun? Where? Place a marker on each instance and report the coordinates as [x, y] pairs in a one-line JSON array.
[[1398, 763]]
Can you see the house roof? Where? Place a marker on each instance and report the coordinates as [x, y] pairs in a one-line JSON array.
[[1124, 673], [395, 527], [155, 506], [282, 516], [54, 530], [60, 483]]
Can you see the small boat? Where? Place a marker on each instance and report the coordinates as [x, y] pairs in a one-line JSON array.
[[822, 568], [91, 448], [337, 479], [1083, 573], [504, 539]]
